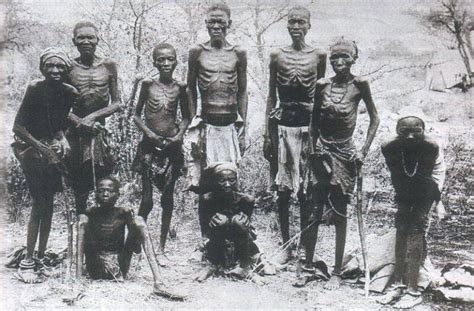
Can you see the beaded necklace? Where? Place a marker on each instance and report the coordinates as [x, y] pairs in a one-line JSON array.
[[346, 87], [405, 168]]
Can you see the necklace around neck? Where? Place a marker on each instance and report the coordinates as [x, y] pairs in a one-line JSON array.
[[335, 101], [405, 167]]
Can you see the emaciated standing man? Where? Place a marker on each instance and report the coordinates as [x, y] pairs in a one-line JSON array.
[[219, 70], [99, 97], [294, 71]]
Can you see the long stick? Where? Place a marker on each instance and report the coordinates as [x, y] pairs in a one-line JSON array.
[[69, 223], [360, 221]]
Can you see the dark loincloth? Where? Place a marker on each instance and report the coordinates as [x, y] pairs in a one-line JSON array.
[[162, 167], [80, 162], [40, 176], [334, 163], [103, 265]]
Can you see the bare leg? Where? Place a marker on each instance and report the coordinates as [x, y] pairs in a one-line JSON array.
[[339, 204], [167, 203], [309, 215], [80, 242], [396, 290], [27, 265], [415, 252], [33, 226], [400, 256], [147, 197], [283, 202], [143, 235], [45, 225]]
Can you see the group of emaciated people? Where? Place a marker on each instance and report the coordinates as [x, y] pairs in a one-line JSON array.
[[308, 141]]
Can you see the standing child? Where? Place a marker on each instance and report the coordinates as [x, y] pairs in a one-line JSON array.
[[41, 147], [335, 159], [417, 169], [159, 156]]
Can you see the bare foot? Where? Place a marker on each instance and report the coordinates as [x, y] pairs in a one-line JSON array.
[[284, 257], [28, 276], [333, 283], [392, 295], [163, 259], [206, 273], [408, 301], [162, 291], [239, 272], [257, 279]]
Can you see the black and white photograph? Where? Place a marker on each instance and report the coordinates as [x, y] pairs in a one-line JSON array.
[[224, 154]]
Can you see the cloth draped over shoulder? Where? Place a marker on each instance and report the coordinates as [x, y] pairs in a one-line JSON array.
[[208, 144], [334, 163]]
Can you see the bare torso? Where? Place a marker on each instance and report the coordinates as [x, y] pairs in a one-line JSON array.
[[161, 106], [296, 75], [93, 86], [217, 81], [339, 104], [107, 229]]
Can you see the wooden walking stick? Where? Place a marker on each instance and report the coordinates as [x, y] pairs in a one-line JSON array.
[[360, 222], [70, 224]]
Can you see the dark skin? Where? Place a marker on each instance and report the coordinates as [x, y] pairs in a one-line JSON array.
[[108, 227], [294, 71], [346, 90], [97, 82], [159, 126], [224, 197], [410, 140], [220, 73], [54, 151]]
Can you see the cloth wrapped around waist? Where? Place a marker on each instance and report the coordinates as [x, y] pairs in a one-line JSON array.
[[278, 113], [162, 166], [334, 163]]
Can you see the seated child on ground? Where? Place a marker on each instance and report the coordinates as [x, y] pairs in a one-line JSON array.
[[101, 237], [417, 170]]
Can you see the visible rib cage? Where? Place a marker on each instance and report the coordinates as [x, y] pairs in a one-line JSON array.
[[217, 72], [296, 75], [93, 86], [161, 97]]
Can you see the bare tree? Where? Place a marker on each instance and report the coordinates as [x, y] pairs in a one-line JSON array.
[[453, 17]]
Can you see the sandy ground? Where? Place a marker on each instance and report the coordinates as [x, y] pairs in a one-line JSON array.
[[216, 293]]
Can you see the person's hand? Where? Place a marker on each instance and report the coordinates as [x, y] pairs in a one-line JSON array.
[[174, 142], [50, 154], [241, 138], [87, 121], [65, 147], [97, 128], [156, 140], [360, 157], [267, 148], [241, 220], [218, 220]]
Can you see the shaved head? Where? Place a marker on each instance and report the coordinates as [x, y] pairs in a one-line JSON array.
[[301, 10]]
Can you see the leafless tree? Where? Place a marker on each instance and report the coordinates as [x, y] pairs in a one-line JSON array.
[[454, 18]]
